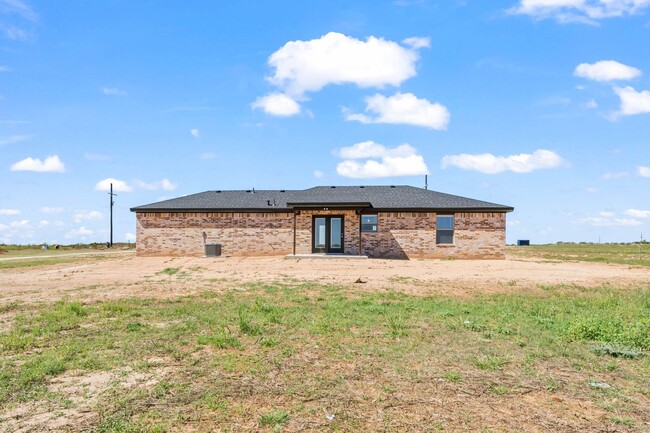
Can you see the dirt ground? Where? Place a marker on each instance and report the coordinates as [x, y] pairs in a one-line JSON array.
[[144, 277], [115, 277]]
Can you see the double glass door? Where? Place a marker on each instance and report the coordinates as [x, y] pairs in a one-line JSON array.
[[327, 234]]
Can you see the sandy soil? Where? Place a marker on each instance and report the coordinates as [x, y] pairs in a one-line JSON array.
[[116, 277], [143, 276]]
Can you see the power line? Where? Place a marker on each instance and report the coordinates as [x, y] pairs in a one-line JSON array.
[[111, 194]]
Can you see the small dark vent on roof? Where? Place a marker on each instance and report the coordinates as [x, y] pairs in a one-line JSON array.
[[392, 186], [362, 186], [218, 191], [283, 190], [332, 187], [248, 190]]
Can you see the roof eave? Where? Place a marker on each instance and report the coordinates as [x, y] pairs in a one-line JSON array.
[[292, 207], [211, 210]]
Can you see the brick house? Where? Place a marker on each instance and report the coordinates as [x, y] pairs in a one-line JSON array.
[[377, 221]]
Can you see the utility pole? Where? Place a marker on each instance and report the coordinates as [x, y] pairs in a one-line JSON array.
[[112, 203]]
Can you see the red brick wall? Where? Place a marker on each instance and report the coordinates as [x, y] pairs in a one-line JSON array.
[[240, 234], [400, 235], [404, 235]]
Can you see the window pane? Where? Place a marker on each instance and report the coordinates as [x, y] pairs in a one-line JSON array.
[[444, 236], [319, 233], [445, 222], [368, 223], [335, 233]]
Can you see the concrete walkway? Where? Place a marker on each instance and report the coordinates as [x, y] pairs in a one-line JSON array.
[[324, 256]]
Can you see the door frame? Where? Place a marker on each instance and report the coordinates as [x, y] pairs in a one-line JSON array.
[[328, 231]]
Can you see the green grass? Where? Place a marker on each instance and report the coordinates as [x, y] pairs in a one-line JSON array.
[[274, 418], [25, 263], [281, 354], [635, 254]]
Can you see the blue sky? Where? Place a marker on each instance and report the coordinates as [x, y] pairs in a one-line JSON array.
[[543, 105]]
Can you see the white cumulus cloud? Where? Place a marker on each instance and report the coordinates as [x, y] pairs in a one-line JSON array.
[[22, 224], [632, 102], [51, 210], [118, 185], [416, 42], [643, 171], [195, 133], [637, 213], [277, 104], [8, 212], [164, 184], [318, 174], [81, 215], [380, 161], [585, 11], [50, 164], [404, 108], [82, 233], [606, 70], [606, 221], [492, 164], [308, 66]]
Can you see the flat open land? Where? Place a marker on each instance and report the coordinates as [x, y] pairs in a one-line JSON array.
[[117, 343]]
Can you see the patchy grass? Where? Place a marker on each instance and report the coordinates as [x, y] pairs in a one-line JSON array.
[[282, 357], [274, 418], [635, 254], [33, 262]]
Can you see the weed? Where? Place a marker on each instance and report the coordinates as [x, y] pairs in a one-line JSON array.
[[473, 326], [552, 384], [499, 389], [75, 308], [12, 306], [616, 350], [453, 376], [134, 326], [246, 324], [222, 340], [623, 421], [396, 325], [491, 362], [169, 271], [269, 342], [274, 418]]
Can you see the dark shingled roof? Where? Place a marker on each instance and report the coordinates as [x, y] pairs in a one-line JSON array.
[[396, 198]]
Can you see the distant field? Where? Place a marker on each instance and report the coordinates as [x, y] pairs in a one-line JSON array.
[[12, 256], [637, 254]]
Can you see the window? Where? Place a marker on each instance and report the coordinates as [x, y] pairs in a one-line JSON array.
[[368, 223], [445, 229]]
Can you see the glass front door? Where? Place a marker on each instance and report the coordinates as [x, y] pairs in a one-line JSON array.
[[328, 234]]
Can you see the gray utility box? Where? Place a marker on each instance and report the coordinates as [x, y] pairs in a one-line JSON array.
[[212, 250]]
